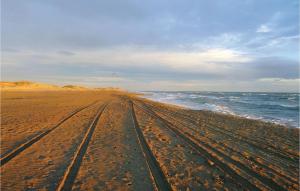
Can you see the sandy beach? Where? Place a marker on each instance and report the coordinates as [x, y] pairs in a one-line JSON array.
[[113, 140], [150, 95]]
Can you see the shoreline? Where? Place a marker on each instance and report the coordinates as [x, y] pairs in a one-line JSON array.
[[144, 96], [230, 114], [228, 111]]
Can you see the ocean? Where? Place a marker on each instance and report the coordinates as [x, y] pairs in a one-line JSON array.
[[281, 108]]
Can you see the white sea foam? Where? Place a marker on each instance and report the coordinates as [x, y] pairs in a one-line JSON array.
[[277, 108]]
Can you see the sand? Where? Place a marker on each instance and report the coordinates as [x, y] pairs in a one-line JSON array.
[[112, 140]]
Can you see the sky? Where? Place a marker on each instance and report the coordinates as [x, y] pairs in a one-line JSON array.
[[219, 45]]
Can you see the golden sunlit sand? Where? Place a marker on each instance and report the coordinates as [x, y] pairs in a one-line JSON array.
[[76, 138]]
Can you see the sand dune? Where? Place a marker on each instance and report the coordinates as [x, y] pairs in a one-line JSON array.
[[72, 87], [34, 86], [113, 140], [27, 85]]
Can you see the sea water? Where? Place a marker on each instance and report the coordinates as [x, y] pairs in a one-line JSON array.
[[281, 108]]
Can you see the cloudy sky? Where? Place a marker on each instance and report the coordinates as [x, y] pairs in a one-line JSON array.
[[220, 45]]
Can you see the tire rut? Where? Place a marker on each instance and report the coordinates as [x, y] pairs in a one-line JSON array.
[[158, 176], [204, 147], [38, 137], [72, 170]]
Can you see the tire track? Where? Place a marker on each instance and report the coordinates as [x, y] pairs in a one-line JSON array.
[[168, 114], [203, 149], [253, 142], [262, 147], [275, 168], [158, 176], [38, 137], [287, 179], [72, 170]]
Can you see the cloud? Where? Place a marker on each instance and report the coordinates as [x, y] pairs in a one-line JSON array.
[[67, 53], [213, 61], [64, 24], [263, 29], [281, 80], [145, 64], [262, 85], [280, 84], [9, 50], [180, 44]]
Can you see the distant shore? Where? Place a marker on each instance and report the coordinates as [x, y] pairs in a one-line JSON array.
[[36, 86]]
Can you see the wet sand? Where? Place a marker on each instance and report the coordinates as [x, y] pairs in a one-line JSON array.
[[110, 140]]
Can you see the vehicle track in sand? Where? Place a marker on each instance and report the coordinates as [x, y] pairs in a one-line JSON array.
[[158, 176], [114, 159], [217, 157], [5, 159], [72, 170], [190, 123], [43, 166], [258, 142], [287, 179], [183, 166]]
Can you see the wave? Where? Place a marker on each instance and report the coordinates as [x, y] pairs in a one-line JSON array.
[[273, 107], [292, 98], [233, 98], [221, 108], [269, 105]]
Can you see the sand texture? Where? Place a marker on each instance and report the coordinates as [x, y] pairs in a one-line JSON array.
[[110, 140]]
